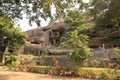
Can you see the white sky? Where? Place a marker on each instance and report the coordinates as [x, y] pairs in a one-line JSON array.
[[25, 25]]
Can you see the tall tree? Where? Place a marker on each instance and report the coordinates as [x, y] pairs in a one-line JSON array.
[[10, 37], [77, 39]]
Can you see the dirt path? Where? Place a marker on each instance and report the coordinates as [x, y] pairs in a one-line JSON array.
[[8, 75]]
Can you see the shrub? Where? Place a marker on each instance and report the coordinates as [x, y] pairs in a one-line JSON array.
[[10, 59], [14, 64], [95, 73], [41, 69], [83, 72]]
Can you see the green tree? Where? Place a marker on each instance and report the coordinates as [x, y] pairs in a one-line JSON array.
[[106, 12], [82, 21], [78, 43], [10, 37], [78, 39]]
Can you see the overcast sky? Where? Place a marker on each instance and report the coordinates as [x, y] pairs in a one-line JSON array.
[[25, 25]]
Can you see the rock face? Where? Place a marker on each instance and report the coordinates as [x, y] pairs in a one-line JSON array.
[[49, 35], [47, 38]]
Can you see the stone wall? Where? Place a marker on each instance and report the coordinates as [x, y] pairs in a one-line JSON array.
[[103, 55], [63, 60], [103, 52]]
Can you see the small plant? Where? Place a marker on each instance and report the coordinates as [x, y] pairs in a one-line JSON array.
[[12, 61], [14, 64], [41, 69]]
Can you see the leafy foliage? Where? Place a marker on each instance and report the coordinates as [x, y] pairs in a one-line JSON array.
[[10, 37], [78, 39], [12, 61], [74, 18], [77, 42], [106, 12], [35, 9]]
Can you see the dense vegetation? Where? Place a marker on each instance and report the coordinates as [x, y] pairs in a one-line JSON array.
[[107, 19], [77, 39], [35, 9], [100, 22]]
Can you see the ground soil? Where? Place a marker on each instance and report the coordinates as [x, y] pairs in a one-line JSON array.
[[13, 75], [8, 75]]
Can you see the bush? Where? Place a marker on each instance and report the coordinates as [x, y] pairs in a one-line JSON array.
[[10, 59], [95, 73], [14, 64], [84, 73], [41, 69]]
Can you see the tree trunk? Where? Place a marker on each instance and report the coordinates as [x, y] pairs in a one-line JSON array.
[[2, 56]]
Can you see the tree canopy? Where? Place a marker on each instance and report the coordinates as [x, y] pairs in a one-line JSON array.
[[106, 12], [34, 9]]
